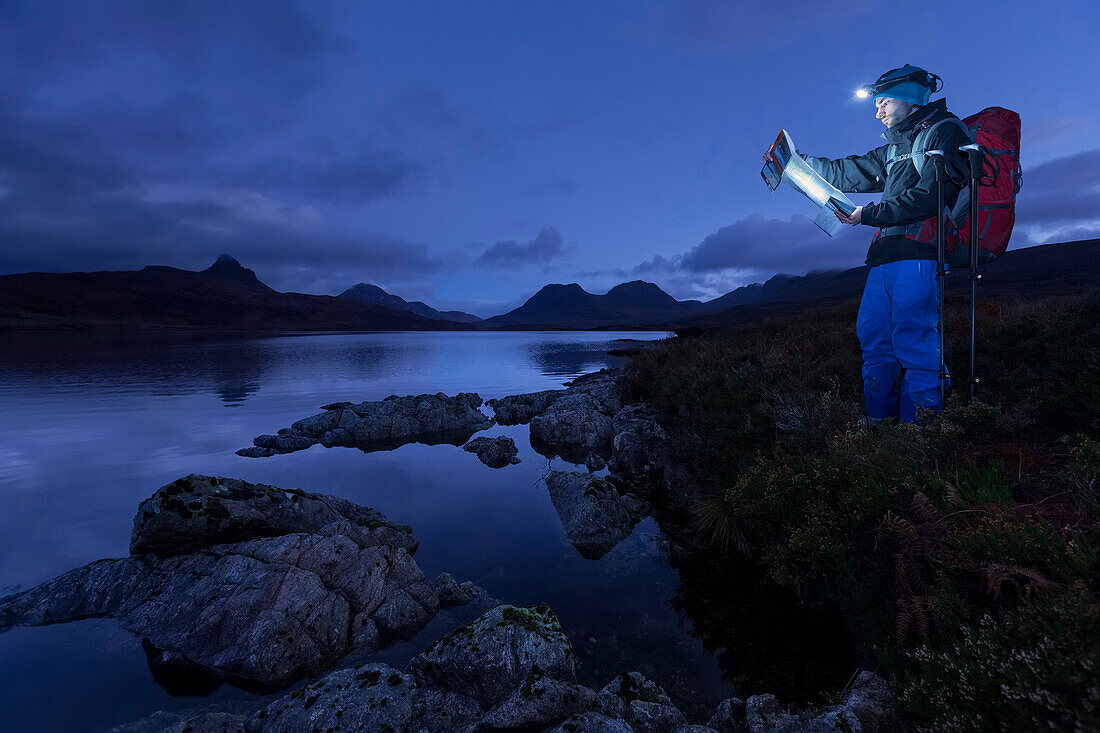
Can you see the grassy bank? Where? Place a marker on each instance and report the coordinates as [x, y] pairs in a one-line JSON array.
[[964, 553]]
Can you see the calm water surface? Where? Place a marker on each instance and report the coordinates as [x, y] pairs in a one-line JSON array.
[[86, 434]]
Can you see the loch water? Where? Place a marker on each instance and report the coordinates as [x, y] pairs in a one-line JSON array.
[[88, 429]]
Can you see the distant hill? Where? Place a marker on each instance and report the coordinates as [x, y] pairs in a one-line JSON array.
[[374, 295], [632, 304], [1025, 274], [223, 297]]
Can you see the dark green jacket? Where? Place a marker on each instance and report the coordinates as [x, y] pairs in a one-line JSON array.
[[908, 197]]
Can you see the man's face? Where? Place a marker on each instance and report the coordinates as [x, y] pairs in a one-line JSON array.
[[892, 111]]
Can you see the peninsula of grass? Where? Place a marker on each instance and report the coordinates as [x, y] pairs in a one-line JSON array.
[[963, 552]]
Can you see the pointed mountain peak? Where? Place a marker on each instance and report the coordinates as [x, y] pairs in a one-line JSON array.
[[226, 267], [640, 292]]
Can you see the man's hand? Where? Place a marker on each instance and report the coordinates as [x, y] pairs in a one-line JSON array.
[[855, 218]]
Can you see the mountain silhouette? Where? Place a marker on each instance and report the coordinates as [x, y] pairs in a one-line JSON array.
[[632, 304], [224, 297], [366, 293]]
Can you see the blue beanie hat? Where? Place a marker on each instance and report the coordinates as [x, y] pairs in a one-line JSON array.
[[908, 84]]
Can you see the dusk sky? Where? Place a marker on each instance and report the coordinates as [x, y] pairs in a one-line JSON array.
[[467, 153]]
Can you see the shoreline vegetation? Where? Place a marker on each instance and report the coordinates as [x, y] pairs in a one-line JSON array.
[[964, 553]]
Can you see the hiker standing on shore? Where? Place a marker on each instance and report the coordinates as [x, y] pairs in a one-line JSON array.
[[899, 313]]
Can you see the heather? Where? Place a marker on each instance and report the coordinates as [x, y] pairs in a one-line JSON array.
[[964, 552]]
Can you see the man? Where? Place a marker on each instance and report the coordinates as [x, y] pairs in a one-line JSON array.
[[899, 313]]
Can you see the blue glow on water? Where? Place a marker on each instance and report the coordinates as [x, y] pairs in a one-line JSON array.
[[87, 433]]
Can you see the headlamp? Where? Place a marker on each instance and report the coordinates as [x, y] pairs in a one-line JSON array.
[[924, 78]]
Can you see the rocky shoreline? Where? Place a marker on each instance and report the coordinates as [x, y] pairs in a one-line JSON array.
[[261, 587]]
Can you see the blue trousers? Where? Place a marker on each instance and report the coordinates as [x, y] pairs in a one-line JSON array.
[[898, 329]]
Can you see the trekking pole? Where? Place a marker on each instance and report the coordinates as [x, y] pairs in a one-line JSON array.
[[974, 155], [941, 271]]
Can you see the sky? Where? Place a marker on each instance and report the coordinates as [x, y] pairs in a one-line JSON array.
[[468, 153]]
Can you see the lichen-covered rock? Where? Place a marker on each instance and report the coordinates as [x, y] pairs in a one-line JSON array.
[[373, 697], [380, 425], [631, 686], [440, 711], [200, 511], [309, 579], [494, 452], [491, 657], [594, 515], [539, 702]]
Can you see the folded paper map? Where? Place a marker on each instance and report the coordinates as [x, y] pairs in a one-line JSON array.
[[783, 163]]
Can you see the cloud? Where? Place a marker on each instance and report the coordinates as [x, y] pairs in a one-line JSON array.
[[793, 246], [1060, 199], [719, 25], [539, 251], [364, 175]]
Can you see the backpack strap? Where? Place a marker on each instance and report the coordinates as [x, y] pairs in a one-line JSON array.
[[921, 143]]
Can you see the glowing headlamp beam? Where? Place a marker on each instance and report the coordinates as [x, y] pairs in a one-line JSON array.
[[863, 93]]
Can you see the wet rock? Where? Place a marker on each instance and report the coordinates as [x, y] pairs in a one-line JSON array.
[[519, 409], [491, 657], [593, 723], [381, 425], [572, 423], [373, 697], [539, 702], [283, 584], [595, 517], [195, 512], [730, 716], [639, 444], [595, 462], [494, 452], [451, 593]]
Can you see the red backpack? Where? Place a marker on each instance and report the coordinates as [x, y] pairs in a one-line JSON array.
[[997, 131]]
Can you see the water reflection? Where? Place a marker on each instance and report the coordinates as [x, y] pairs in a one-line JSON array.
[[766, 640]]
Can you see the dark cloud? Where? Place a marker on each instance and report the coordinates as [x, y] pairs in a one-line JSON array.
[[722, 25], [364, 175], [268, 46], [794, 246], [539, 251], [1060, 199]]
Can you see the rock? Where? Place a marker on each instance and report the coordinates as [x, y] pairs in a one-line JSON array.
[[631, 686], [381, 425], [639, 444], [284, 584], [573, 423], [595, 462], [593, 723], [595, 517], [696, 728], [519, 409], [438, 711], [372, 697], [730, 716], [195, 512], [763, 714], [538, 703], [653, 717], [491, 657], [163, 721], [256, 452], [872, 701], [494, 452], [451, 593]]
